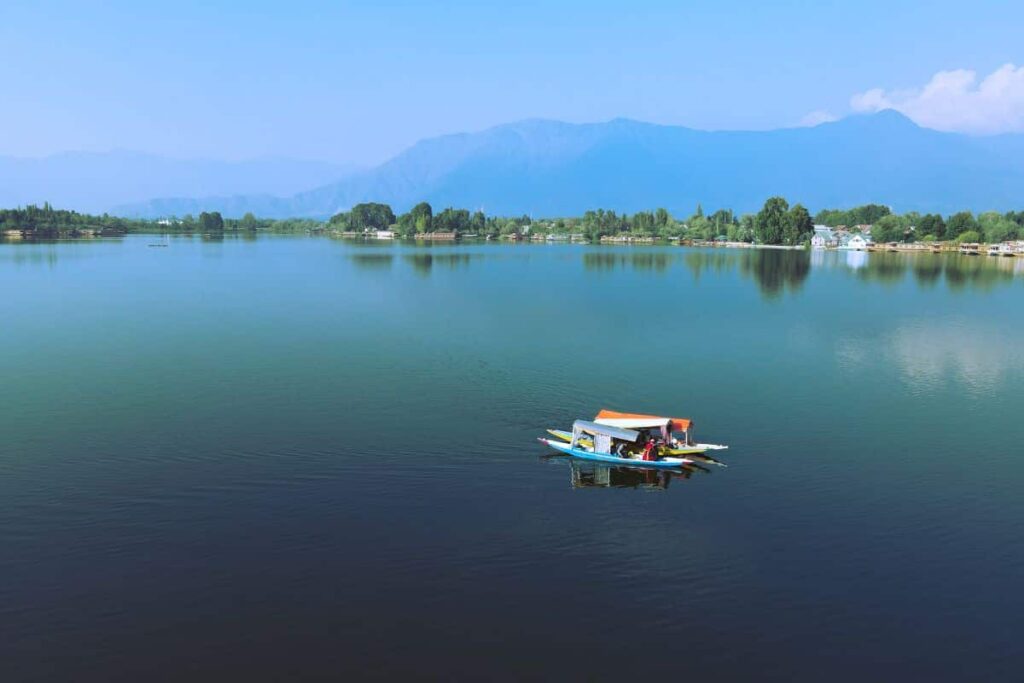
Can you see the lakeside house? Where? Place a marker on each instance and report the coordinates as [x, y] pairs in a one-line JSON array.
[[438, 236], [384, 235], [823, 238], [857, 243]]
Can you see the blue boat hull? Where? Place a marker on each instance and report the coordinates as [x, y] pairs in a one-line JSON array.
[[663, 464]]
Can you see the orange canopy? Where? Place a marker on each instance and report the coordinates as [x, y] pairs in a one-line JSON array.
[[679, 424]]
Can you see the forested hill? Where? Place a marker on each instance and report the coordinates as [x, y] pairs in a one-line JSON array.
[[551, 168]]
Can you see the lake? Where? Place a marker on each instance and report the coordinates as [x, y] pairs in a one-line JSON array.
[[293, 457]]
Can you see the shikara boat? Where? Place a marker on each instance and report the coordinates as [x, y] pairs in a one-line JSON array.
[[697, 452], [609, 444]]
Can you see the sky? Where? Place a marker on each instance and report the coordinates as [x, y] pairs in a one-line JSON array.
[[357, 82]]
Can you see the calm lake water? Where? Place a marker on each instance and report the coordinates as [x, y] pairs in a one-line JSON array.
[[300, 458]]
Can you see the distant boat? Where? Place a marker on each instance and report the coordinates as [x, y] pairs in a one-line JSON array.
[[1001, 250], [603, 438], [633, 439], [970, 248]]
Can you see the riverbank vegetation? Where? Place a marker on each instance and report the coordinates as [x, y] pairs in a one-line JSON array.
[[46, 222], [777, 223]]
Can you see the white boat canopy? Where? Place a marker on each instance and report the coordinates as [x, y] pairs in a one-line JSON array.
[[635, 422], [604, 435], [612, 431]]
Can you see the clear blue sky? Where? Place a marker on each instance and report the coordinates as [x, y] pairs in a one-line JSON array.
[[359, 81]]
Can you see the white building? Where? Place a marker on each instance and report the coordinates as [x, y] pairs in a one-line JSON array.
[[823, 238], [857, 243]]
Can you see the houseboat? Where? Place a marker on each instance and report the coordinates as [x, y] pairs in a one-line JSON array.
[[1001, 250]]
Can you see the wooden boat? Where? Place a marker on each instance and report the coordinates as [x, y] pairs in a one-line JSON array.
[[1001, 250], [697, 449], [589, 454]]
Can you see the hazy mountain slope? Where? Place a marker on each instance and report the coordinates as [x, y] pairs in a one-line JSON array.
[[98, 182], [552, 168]]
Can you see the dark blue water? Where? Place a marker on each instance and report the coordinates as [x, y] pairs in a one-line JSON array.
[[295, 458]]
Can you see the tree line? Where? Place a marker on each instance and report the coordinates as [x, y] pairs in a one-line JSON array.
[[777, 223], [47, 222]]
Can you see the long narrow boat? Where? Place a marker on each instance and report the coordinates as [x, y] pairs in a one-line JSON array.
[[697, 453], [695, 449], [584, 454]]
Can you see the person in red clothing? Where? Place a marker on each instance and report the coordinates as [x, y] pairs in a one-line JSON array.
[[649, 450]]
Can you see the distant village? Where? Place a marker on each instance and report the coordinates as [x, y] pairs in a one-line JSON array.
[[777, 226], [841, 237], [858, 238]]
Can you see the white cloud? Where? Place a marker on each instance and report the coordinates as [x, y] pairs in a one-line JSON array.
[[818, 116], [980, 358], [957, 101]]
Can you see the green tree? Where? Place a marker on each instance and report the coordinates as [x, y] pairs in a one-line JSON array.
[[700, 227], [478, 222], [887, 229], [996, 228], [799, 226], [869, 214], [662, 218], [1000, 230], [248, 222], [422, 216], [772, 221], [960, 223], [932, 224], [211, 222], [452, 220], [371, 216], [746, 230]]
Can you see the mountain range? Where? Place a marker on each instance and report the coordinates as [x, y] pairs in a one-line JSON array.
[[96, 182], [551, 168]]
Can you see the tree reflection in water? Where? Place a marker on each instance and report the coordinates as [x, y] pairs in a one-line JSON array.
[[927, 271], [424, 263], [961, 272], [884, 268], [776, 270], [375, 261], [643, 260]]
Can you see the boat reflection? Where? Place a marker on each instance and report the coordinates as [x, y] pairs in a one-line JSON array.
[[595, 475]]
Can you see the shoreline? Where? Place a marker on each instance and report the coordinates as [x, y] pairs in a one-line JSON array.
[[982, 249]]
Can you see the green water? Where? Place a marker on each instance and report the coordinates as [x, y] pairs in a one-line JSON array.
[[298, 457]]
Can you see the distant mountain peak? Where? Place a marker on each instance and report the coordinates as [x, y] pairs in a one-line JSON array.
[[887, 119], [554, 168]]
